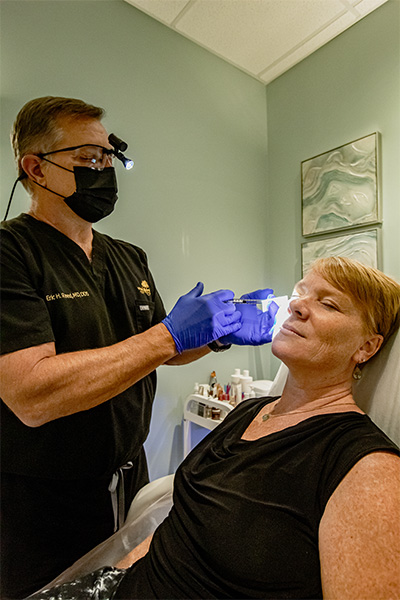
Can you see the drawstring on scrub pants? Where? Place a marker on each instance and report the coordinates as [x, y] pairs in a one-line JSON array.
[[117, 491]]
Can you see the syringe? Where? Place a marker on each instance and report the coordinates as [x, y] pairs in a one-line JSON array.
[[244, 301], [262, 303], [282, 302]]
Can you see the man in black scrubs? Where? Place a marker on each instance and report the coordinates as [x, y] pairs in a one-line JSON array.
[[83, 330]]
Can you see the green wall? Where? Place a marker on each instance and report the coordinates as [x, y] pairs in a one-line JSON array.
[[346, 90], [196, 128], [215, 195]]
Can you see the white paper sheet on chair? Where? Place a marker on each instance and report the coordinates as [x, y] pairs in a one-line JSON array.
[[378, 390], [113, 549]]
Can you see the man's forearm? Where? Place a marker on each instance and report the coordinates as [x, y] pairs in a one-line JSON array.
[[40, 386], [188, 356]]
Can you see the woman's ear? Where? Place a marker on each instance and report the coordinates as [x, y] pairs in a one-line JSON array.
[[32, 165], [368, 349]]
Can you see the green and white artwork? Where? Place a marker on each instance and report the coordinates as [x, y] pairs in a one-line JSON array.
[[362, 246], [339, 187]]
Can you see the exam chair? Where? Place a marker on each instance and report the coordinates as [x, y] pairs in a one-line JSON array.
[[377, 393]]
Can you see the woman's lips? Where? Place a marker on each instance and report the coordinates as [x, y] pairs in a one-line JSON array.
[[289, 329]]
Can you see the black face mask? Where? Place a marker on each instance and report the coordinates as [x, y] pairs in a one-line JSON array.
[[96, 193]]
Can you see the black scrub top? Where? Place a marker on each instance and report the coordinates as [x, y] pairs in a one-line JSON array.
[[51, 292]]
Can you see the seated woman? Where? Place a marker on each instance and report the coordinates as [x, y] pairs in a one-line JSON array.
[[290, 497]]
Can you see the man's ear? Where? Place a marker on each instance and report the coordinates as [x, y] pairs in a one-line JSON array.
[[368, 349], [32, 165]]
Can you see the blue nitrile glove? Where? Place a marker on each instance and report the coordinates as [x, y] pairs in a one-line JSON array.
[[197, 320], [257, 326]]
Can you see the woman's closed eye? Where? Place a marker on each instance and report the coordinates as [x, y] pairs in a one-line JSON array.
[[329, 305]]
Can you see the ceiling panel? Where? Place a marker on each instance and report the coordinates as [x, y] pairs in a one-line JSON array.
[[246, 33], [163, 10], [264, 38]]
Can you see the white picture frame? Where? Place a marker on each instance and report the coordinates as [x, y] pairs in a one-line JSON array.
[[359, 245]]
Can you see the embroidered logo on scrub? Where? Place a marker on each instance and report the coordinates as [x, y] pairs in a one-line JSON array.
[[66, 296], [144, 288]]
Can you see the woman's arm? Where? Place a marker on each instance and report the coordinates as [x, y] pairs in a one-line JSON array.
[[135, 554], [359, 535]]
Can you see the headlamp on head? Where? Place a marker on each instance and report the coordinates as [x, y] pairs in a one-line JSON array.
[[119, 147]]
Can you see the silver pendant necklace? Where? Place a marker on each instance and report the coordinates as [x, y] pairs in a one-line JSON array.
[[298, 412]]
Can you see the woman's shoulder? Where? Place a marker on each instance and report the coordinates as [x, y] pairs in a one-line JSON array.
[[373, 477], [384, 463], [377, 469]]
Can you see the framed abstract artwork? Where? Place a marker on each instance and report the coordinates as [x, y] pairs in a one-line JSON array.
[[362, 246], [339, 188]]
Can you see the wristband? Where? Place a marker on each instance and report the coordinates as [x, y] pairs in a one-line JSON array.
[[216, 346]]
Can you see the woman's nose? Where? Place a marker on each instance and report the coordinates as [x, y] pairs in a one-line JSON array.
[[298, 306]]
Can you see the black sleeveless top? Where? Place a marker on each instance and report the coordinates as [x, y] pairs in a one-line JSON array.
[[246, 513]]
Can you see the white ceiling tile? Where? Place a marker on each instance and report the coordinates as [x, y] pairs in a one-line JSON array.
[[366, 6], [308, 47], [163, 10], [353, 2], [264, 38], [254, 33]]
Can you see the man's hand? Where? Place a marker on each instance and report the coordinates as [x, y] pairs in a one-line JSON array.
[[197, 320], [257, 326]]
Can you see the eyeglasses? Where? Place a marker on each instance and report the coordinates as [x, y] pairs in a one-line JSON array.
[[88, 155]]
